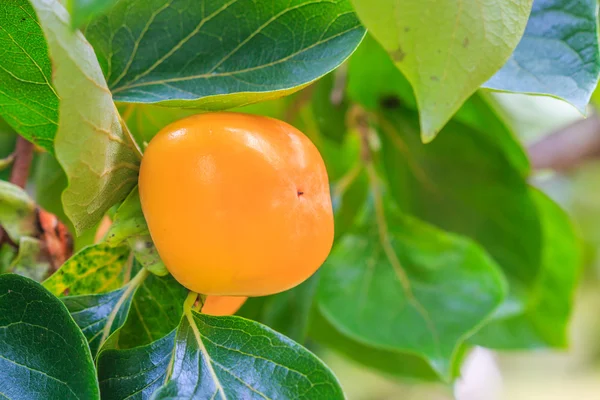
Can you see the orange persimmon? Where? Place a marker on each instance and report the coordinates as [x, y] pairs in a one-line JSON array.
[[236, 204], [222, 305]]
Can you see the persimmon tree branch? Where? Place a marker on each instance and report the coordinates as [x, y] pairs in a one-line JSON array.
[[22, 157], [568, 147]]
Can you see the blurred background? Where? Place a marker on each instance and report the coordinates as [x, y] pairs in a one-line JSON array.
[[532, 375]]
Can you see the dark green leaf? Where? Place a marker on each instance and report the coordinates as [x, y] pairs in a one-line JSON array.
[[156, 310], [445, 49], [464, 183], [95, 269], [43, 354], [83, 11], [99, 315], [17, 211], [100, 160], [558, 54], [329, 105], [231, 357], [217, 54], [388, 362], [399, 284], [28, 102], [545, 322], [50, 181], [288, 312], [135, 373]]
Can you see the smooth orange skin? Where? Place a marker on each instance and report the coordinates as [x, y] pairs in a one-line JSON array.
[[222, 305], [237, 205]]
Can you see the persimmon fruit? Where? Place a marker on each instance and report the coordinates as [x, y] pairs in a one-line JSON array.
[[236, 204], [222, 305]]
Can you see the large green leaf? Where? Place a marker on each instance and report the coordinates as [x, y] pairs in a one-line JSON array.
[[135, 373], [99, 159], [446, 49], [43, 354], [95, 269], [231, 357], [388, 362], [28, 102], [216, 54], [99, 315], [558, 54], [464, 183], [399, 284], [375, 83], [545, 322]]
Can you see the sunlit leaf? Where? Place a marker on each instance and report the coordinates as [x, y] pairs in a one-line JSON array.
[[99, 159], [445, 49], [95, 269], [28, 102]]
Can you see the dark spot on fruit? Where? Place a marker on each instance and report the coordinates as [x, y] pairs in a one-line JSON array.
[[300, 193], [398, 55]]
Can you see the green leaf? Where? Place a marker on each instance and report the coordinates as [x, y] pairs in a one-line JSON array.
[[43, 354], [146, 253], [156, 310], [465, 183], [28, 102], [129, 220], [288, 312], [135, 373], [31, 260], [145, 120], [99, 159], [231, 357], [95, 269], [218, 54], [558, 54], [329, 105], [17, 211], [99, 315], [375, 83], [545, 322], [399, 284], [50, 181], [391, 363], [446, 50], [83, 11]]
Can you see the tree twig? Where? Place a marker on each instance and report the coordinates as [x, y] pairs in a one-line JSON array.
[[22, 157], [568, 147], [22, 162]]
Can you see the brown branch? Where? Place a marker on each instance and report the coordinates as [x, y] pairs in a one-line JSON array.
[[20, 171], [568, 147], [22, 163]]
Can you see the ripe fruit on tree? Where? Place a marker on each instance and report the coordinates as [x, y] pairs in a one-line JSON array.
[[236, 204], [222, 305]]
